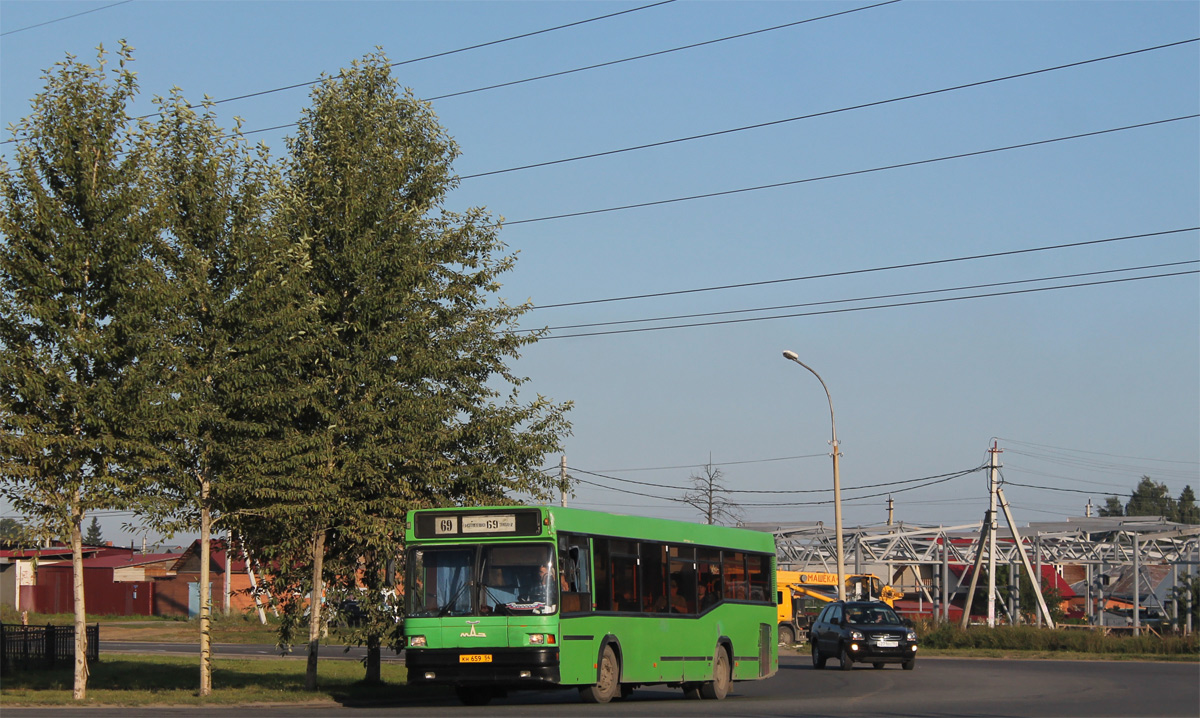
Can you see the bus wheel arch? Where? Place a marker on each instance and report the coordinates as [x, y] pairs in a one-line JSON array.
[[722, 680], [608, 674]]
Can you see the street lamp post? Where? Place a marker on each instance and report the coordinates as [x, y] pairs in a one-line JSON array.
[[837, 484]]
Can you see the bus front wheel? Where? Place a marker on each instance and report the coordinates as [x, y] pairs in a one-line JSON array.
[[608, 684], [718, 687]]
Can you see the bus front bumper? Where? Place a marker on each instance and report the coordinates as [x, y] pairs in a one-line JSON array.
[[511, 667]]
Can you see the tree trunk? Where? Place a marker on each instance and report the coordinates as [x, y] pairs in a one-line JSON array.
[[205, 591], [81, 665], [314, 610], [373, 675]]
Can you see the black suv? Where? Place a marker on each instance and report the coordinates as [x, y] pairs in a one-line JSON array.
[[863, 631]]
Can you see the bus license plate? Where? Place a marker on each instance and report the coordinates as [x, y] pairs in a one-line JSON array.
[[475, 658]]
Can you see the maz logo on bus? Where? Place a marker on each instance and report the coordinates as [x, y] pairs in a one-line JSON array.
[[472, 632]]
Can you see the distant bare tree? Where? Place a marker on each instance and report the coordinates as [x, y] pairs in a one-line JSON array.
[[707, 495]]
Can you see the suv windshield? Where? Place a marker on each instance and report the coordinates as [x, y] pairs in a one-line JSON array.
[[866, 615], [482, 580]]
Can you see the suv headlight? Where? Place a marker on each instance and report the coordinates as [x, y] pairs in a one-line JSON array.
[[912, 635], [856, 635]]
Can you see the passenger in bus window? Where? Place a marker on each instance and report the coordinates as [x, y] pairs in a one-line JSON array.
[[674, 603], [707, 597]]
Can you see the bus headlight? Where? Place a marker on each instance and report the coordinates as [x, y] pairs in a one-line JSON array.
[[541, 639], [416, 641]]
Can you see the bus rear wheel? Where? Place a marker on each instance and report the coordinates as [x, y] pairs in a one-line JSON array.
[[608, 684], [718, 687]]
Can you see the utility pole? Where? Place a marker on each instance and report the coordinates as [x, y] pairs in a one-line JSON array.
[[1137, 586], [993, 483], [562, 479], [891, 505], [227, 576]]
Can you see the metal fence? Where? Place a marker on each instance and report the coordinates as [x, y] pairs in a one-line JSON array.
[[32, 647]]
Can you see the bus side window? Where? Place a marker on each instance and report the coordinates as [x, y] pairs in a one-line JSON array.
[[623, 575], [683, 576], [575, 574], [760, 581], [709, 562], [604, 578]]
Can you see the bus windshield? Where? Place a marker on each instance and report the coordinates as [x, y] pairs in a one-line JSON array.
[[481, 580]]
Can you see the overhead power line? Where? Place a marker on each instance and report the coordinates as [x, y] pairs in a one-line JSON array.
[[952, 475], [1094, 453], [792, 503], [711, 463], [839, 175], [849, 272], [647, 55], [561, 73], [310, 83], [878, 306], [66, 17], [446, 53], [760, 125], [864, 299]]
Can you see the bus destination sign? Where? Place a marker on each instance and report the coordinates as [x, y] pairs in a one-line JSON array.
[[451, 523], [506, 523]]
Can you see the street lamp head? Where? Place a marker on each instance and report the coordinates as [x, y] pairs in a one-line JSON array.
[[791, 355]]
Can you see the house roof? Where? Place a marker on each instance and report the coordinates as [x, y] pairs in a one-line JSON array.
[[140, 559], [19, 553]]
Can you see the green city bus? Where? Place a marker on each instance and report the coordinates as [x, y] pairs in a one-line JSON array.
[[514, 597]]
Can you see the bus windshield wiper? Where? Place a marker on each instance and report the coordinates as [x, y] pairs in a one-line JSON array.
[[499, 602], [453, 600]]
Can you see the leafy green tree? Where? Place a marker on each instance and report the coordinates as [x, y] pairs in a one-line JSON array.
[[1112, 507], [1150, 498], [1188, 511], [1188, 596], [236, 298], [1027, 599], [94, 536], [411, 342], [79, 294], [11, 530]]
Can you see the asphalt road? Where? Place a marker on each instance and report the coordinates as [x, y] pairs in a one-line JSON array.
[[939, 687]]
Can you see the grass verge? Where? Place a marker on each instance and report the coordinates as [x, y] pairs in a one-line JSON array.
[[134, 680]]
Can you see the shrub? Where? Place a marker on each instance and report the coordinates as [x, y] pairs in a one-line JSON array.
[[1031, 638]]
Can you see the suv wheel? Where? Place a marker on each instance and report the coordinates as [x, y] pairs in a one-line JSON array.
[[818, 659], [846, 659]]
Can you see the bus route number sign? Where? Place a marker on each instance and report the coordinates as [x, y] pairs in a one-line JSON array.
[[446, 525], [499, 523]]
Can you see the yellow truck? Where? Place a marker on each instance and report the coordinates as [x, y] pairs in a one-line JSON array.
[[801, 594]]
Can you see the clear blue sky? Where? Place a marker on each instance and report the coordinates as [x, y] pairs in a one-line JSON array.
[[1085, 388]]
